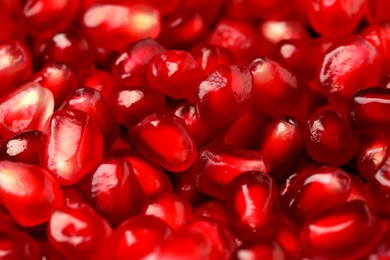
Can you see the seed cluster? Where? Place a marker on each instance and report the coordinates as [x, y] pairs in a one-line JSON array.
[[195, 129]]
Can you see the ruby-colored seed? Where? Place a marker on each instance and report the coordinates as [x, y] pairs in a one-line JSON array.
[[121, 23], [329, 138], [140, 235], [224, 95], [163, 139], [26, 108], [132, 104], [342, 231], [169, 207], [71, 145], [18, 245], [252, 203], [16, 65], [29, 192], [218, 164], [93, 103], [114, 181], [130, 67], [79, 232], [23, 147]]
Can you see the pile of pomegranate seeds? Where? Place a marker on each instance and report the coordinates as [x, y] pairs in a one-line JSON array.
[[195, 129]]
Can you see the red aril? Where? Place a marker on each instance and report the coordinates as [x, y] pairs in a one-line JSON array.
[[71, 145], [174, 73], [276, 91], [58, 78], [224, 95], [218, 164], [252, 204], [340, 82], [18, 245], [367, 112], [93, 103], [29, 192], [281, 144], [130, 67], [329, 139], [169, 207], [163, 139], [42, 18], [26, 108], [70, 47], [113, 25], [23, 147], [114, 190], [336, 18], [140, 235], [100, 80], [150, 176], [342, 232], [79, 232], [16, 65]]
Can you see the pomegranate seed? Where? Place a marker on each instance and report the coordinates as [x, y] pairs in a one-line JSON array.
[[342, 231], [91, 102], [130, 67], [222, 241], [42, 18], [10, 28], [379, 36], [163, 139], [112, 26], [336, 18], [371, 155], [16, 65], [276, 90], [78, 232], [340, 82], [252, 202], [71, 160], [367, 111], [320, 188], [301, 57], [224, 95], [218, 164], [377, 11], [150, 176], [70, 47], [281, 144], [132, 104], [100, 80], [276, 31], [26, 108], [245, 130], [175, 73], [166, 8], [209, 57], [23, 147], [214, 209], [329, 138], [29, 192], [379, 185], [58, 78], [18, 245], [269, 9], [114, 190], [238, 37], [209, 10], [183, 30], [260, 250], [169, 207], [185, 187], [200, 132], [139, 236]]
